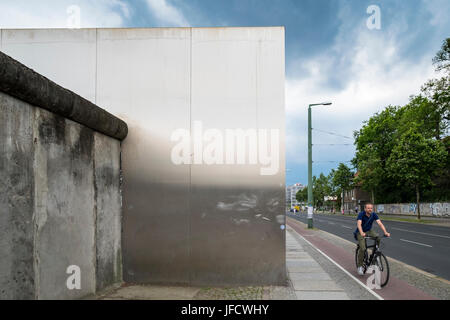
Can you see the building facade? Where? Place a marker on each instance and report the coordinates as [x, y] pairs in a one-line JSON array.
[[291, 192], [355, 199]]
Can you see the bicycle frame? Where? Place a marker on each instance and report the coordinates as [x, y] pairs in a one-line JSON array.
[[376, 258], [375, 251]]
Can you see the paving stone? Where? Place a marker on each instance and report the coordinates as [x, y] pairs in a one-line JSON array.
[[298, 255], [302, 263], [321, 295], [153, 292], [309, 276], [315, 285], [305, 269], [309, 282]]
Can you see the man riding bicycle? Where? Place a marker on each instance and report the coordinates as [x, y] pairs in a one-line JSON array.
[[364, 229]]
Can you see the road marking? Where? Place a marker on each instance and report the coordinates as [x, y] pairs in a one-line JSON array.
[[331, 222], [346, 227], [429, 234], [346, 272], [422, 244]]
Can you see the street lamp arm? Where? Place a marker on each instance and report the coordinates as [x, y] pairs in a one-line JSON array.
[[320, 104]]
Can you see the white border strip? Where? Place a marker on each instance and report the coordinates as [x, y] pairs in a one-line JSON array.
[[421, 244], [346, 272], [428, 234]]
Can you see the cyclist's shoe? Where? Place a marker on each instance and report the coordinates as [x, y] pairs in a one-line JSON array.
[[360, 271]]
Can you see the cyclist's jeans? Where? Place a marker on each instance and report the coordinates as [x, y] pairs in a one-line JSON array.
[[362, 245]]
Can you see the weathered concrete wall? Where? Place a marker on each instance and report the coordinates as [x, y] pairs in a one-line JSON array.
[[109, 219], [60, 202], [426, 209], [64, 205], [16, 200]]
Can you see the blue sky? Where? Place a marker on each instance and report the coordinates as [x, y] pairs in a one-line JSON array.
[[331, 54]]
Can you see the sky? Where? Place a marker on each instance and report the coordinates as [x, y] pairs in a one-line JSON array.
[[333, 53]]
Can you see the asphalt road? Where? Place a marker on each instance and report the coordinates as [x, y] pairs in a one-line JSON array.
[[426, 247]]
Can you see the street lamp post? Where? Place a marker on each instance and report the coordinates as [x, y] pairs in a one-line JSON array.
[[310, 187]]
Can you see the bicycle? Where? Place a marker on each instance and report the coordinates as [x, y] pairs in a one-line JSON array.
[[377, 258]]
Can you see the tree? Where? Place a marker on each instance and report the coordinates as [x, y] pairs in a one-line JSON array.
[[415, 160], [321, 188], [442, 58], [438, 93], [374, 143], [341, 180], [424, 114], [302, 195], [438, 90], [429, 114]]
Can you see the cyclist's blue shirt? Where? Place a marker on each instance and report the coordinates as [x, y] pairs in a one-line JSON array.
[[367, 222]]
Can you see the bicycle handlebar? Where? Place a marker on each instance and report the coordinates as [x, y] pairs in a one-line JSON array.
[[373, 238]]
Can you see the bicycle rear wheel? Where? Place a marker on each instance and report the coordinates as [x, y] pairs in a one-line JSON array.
[[383, 265]]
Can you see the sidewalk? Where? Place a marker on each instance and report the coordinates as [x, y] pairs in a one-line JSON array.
[[307, 278], [320, 266], [405, 282]]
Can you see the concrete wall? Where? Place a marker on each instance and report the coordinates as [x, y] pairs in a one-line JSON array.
[[426, 209], [189, 223], [60, 204], [17, 277]]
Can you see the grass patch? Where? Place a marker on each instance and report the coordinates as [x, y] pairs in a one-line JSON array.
[[414, 220], [389, 218]]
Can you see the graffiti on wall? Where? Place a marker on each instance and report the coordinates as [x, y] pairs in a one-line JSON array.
[[426, 209]]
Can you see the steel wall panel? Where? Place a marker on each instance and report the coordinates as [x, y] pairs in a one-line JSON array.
[[144, 78], [65, 56], [237, 220]]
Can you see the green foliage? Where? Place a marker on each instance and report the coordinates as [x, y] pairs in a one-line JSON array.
[[437, 91], [441, 181], [442, 58], [340, 180], [374, 143], [415, 160], [321, 188], [424, 115], [302, 195], [402, 150]]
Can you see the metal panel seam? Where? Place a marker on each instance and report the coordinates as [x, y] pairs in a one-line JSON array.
[[190, 165], [96, 64]]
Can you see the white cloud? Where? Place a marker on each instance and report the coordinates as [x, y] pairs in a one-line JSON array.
[[53, 14], [167, 14], [374, 75], [439, 10]]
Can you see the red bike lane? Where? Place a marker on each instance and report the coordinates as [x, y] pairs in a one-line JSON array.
[[396, 289]]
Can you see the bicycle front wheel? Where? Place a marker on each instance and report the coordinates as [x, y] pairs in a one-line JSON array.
[[383, 266]]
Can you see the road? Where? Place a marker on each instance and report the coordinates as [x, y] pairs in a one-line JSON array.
[[426, 247]]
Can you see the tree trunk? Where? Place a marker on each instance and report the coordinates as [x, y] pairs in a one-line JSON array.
[[418, 201], [373, 197]]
